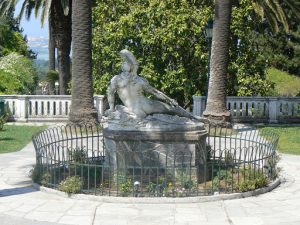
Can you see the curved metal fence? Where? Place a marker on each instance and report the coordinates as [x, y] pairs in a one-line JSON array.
[[75, 159]]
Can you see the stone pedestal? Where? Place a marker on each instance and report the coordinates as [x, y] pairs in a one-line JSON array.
[[159, 147]]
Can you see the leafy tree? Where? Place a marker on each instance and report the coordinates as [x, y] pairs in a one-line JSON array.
[[281, 50], [11, 38], [165, 36], [82, 108], [60, 30], [247, 68], [17, 74]]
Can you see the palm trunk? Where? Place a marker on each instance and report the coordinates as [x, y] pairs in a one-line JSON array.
[[82, 108], [51, 47], [64, 70], [62, 35], [216, 100]]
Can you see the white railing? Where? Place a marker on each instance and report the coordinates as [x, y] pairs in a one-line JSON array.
[[26, 108], [257, 109], [29, 108]]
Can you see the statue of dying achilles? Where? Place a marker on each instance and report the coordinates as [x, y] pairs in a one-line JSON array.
[[131, 88]]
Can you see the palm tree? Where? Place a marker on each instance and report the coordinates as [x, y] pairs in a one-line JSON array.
[[216, 99], [62, 36], [60, 27], [51, 47], [82, 108], [272, 11]]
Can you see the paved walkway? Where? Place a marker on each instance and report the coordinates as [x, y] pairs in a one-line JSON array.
[[20, 204]]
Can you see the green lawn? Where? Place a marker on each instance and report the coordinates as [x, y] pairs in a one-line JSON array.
[[289, 138], [285, 83], [14, 138]]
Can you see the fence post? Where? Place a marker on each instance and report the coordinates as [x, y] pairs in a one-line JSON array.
[[273, 109], [198, 105], [23, 108]]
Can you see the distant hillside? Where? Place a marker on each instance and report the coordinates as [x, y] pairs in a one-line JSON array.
[[40, 46], [42, 67], [285, 83]]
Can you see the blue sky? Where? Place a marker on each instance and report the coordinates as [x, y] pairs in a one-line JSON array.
[[37, 36]]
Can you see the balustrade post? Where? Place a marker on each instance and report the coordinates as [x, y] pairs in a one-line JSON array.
[[198, 105], [98, 101], [23, 108], [273, 109]]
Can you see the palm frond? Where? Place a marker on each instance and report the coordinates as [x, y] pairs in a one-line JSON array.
[[271, 18], [294, 6], [273, 11], [6, 5], [37, 7], [259, 9], [29, 9], [66, 6], [46, 10], [22, 11]]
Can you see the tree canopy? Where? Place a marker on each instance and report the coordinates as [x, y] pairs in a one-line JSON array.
[[168, 39], [17, 75], [17, 71]]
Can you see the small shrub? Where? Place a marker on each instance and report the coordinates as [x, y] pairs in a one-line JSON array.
[[35, 174], [247, 185], [71, 185], [126, 187], [271, 167], [79, 155], [46, 179], [229, 158], [151, 187], [251, 180]]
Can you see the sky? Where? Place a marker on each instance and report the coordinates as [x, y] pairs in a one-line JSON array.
[[37, 36]]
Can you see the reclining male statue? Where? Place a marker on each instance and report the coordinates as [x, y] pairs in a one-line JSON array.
[[131, 88]]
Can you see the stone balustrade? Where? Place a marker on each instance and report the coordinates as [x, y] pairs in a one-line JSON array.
[[34, 108], [257, 109], [37, 108]]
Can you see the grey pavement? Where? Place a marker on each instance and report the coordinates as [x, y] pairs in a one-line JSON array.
[[21, 204]]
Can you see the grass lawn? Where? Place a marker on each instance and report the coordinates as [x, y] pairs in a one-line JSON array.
[[285, 83], [14, 138], [289, 138]]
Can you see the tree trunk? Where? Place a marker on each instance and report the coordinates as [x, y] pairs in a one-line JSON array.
[[63, 70], [62, 35], [216, 100], [51, 47], [82, 108]]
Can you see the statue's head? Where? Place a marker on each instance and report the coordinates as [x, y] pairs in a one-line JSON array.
[[130, 63]]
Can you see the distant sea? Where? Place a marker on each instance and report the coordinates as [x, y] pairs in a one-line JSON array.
[[40, 46]]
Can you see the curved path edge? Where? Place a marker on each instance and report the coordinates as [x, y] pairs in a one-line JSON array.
[[162, 200]]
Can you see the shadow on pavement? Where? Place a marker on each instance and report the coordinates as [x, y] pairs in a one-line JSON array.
[[16, 191]]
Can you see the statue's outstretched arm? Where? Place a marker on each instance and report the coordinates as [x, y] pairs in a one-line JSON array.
[[111, 93], [158, 94]]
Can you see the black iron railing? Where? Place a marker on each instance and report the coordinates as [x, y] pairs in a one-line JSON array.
[[75, 159]]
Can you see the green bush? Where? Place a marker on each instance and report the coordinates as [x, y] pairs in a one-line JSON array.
[[71, 185], [46, 179], [3, 120], [251, 180], [18, 75], [126, 187], [79, 155], [35, 174]]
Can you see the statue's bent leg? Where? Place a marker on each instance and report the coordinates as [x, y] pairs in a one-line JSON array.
[[181, 112]]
